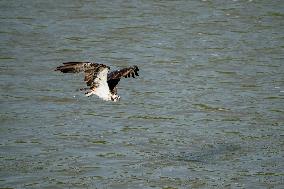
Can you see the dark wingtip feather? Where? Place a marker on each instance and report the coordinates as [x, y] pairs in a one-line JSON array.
[[73, 63], [58, 68], [66, 69], [136, 68], [136, 73]]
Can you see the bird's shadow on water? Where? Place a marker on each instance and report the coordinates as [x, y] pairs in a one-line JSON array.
[[208, 154]]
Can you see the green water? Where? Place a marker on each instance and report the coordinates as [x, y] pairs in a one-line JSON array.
[[206, 111]]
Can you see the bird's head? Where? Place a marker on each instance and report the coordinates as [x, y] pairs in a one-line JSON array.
[[115, 98]]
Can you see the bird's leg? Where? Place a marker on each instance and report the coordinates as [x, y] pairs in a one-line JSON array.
[[89, 93]]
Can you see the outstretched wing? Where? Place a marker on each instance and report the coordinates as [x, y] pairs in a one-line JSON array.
[[114, 77], [93, 71]]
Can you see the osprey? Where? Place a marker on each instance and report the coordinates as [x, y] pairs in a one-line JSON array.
[[98, 79]]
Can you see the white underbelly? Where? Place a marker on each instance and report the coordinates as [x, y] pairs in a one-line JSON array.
[[102, 92]]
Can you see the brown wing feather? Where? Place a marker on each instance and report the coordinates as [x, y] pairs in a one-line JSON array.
[[91, 69], [125, 72], [115, 76], [75, 67]]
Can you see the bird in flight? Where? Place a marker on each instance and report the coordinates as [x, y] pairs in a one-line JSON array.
[[99, 80]]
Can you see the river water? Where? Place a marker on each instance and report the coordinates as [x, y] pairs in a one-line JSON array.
[[206, 111]]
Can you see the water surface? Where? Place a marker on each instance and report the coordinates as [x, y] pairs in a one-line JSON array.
[[206, 111]]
